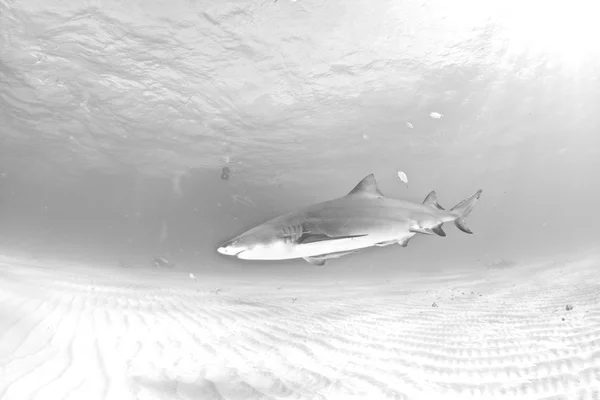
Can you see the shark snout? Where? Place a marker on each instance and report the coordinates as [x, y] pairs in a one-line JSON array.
[[230, 248]]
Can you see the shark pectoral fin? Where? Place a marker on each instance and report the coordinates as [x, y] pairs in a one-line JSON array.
[[320, 261], [321, 237], [438, 230], [425, 231]]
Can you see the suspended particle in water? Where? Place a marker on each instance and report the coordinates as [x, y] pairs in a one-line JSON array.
[[160, 262], [403, 177], [436, 115], [409, 125], [243, 199], [192, 276], [176, 184], [225, 173]]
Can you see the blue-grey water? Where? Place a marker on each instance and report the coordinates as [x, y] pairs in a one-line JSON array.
[[117, 120]]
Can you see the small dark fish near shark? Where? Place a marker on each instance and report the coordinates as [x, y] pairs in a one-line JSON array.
[[362, 218]]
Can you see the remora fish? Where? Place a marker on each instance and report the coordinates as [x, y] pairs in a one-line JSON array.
[[362, 218]]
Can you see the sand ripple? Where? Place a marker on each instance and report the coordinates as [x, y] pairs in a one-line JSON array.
[[82, 333]]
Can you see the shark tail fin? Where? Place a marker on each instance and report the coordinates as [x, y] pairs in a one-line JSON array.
[[463, 209]]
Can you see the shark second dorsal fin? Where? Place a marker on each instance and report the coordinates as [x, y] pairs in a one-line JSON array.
[[432, 200], [366, 187]]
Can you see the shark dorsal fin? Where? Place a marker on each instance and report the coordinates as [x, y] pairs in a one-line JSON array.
[[366, 187], [432, 200]]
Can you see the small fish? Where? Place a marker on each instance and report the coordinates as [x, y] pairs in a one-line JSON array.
[[225, 173], [403, 177], [436, 115]]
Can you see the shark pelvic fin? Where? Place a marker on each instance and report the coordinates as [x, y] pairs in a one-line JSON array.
[[432, 200], [320, 261], [366, 187], [404, 242]]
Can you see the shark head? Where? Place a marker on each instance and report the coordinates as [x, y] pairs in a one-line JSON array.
[[260, 243]]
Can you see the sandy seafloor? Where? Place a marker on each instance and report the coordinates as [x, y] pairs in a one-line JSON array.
[[70, 331]]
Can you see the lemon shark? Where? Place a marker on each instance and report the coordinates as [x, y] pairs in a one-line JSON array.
[[363, 218]]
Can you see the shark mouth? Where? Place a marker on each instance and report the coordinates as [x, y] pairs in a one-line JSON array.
[[225, 251]]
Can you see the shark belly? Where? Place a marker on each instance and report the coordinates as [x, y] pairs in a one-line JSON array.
[[280, 251]]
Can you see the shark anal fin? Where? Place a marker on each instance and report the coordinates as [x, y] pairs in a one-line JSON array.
[[321, 237], [432, 200], [438, 230], [320, 261], [424, 231]]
